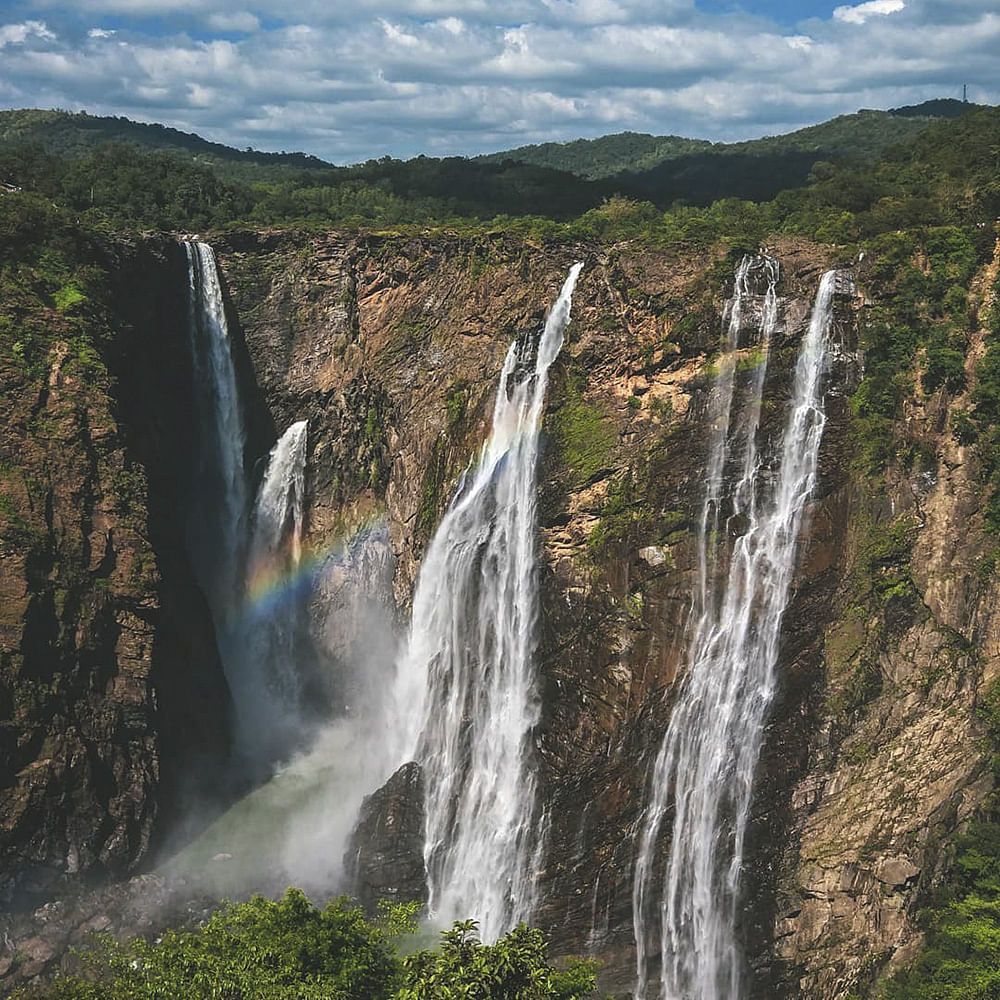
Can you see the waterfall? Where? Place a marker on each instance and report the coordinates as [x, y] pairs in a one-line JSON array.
[[278, 513], [275, 553], [752, 271], [705, 766], [466, 685], [235, 556], [217, 525]]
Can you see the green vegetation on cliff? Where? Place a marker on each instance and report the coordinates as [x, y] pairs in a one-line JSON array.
[[920, 281], [269, 950], [584, 435], [982, 425], [960, 959]]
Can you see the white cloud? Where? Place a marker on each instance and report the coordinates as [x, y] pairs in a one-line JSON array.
[[18, 34], [863, 11], [100, 33], [349, 81], [587, 11]]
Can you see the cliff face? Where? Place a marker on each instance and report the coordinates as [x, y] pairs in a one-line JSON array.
[[106, 651], [391, 348], [873, 757], [77, 578], [897, 758]]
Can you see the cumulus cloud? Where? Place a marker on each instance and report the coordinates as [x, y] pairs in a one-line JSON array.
[[351, 81], [862, 11], [18, 34]]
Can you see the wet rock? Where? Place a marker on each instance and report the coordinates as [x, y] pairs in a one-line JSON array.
[[36, 946], [385, 857]]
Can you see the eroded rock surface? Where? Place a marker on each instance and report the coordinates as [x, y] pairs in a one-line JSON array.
[[385, 858]]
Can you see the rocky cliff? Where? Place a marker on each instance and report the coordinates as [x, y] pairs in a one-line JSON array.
[[390, 347], [874, 753], [109, 677], [414, 332]]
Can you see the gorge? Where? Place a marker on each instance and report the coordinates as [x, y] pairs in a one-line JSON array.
[[648, 557]]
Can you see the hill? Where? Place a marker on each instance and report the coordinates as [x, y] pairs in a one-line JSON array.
[[861, 137], [943, 107], [63, 133], [595, 159], [189, 184]]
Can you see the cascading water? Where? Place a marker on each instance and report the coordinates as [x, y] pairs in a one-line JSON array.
[[751, 272], [705, 767], [466, 686], [231, 552], [278, 513], [275, 552], [217, 525]]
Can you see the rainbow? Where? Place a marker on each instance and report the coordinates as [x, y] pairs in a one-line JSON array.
[[280, 578]]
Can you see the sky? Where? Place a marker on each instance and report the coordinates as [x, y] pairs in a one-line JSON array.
[[349, 80]]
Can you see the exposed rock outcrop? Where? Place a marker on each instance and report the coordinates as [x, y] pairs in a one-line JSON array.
[[385, 857], [401, 340], [391, 348], [109, 680]]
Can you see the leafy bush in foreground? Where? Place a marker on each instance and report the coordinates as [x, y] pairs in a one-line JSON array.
[[278, 950]]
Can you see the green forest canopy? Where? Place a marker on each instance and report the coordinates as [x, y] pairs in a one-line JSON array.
[[129, 174]]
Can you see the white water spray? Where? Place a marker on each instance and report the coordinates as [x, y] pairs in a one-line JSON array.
[[466, 685], [705, 767], [275, 551], [278, 514]]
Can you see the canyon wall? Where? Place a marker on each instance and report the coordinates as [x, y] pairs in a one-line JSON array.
[[874, 754], [114, 709], [390, 347]]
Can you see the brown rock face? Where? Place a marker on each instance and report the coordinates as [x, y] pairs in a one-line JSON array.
[[390, 347], [101, 632], [895, 762], [79, 760], [385, 858]]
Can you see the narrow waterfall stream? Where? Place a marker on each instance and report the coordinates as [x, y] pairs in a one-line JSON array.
[[233, 551], [704, 771], [279, 511], [466, 687], [217, 522], [272, 626]]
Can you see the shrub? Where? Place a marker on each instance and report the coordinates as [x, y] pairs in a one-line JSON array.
[[269, 950]]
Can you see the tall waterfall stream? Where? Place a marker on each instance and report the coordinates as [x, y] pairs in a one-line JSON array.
[[232, 543], [467, 681], [705, 768]]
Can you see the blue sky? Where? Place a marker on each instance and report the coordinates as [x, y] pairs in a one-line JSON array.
[[352, 79]]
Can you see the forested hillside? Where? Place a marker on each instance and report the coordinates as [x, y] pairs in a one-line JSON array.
[[143, 175], [859, 137], [63, 133]]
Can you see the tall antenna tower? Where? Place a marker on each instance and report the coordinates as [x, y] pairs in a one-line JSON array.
[[965, 93]]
